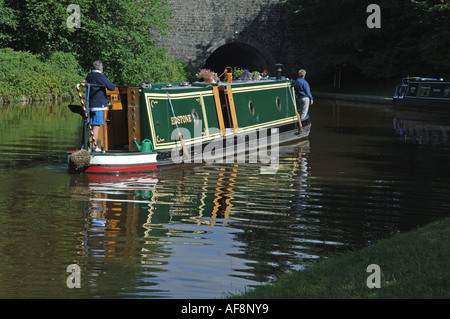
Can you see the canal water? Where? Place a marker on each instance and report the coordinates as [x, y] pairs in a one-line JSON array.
[[367, 172]]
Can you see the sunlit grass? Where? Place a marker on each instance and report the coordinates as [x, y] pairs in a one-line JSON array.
[[413, 265]]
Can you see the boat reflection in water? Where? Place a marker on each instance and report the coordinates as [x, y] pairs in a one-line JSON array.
[[422, 127], [190, 232]]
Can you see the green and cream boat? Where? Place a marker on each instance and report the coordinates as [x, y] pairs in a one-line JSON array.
[[161, 125]]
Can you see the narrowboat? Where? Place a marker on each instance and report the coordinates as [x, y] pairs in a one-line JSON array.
[[423, 92], [157, 126]]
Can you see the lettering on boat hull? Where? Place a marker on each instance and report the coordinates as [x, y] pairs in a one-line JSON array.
[[181, 119]]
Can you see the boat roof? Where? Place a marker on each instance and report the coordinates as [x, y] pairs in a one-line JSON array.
[[418, 78], [203, 85]]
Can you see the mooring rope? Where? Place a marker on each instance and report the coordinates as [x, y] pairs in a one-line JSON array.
[[91, 131]]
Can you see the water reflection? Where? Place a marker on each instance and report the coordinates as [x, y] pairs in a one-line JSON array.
[[194, 229], [422, 127], [202, 231], [35, 134]]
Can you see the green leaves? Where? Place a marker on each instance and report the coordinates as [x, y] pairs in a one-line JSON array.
[[119, 32], [8, 23], [154, 65], [24, 76], [412, 40]]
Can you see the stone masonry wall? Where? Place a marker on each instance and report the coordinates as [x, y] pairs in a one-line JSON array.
[[202, 26]]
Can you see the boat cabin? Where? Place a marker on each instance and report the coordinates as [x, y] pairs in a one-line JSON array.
[[418, 91], [196, 110]]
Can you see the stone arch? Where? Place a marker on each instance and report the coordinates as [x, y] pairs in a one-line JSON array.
[[239, 54]]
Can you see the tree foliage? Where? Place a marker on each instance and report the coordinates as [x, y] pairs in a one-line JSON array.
[[119, 32], [413, 38], [24, 76]]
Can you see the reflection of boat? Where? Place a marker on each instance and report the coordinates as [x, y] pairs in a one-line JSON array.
[[212, 188], [203, 222], [149, 205], [417, 91], [155, 126], [422, 128]]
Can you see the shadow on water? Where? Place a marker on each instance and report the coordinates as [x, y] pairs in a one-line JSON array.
[[206, 230]]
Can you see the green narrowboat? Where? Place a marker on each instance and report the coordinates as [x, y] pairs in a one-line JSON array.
[[160, 125]]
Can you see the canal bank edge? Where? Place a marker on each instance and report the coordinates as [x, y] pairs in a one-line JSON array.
[[355, 98], [324, 95], [411, 265]]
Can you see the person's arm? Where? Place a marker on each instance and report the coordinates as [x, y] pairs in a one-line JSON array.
[[296, 88], [308, 92], [104, 80]]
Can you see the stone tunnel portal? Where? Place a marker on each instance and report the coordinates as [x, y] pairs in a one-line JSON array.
[[240, 55]]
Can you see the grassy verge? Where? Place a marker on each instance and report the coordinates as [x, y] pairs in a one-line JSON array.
[[28, 78], [412, 265]]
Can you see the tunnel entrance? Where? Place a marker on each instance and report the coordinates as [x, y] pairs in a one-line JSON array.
[[238, 55]]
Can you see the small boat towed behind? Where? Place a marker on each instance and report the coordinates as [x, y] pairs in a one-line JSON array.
[[160, 125]]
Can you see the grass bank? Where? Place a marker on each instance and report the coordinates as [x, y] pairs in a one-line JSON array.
[[412, 265], [27, 77]]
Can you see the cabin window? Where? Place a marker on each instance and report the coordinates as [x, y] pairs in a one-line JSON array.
[[278, 103], [412, 90], [424, 90], [251, 108], [446, 91]]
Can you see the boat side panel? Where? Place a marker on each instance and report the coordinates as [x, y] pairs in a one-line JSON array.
[[191, 112], [287, 133], [257, 105], [428, 89]]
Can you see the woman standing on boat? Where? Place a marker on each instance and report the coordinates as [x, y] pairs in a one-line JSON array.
[[97, 96], [303, 93]]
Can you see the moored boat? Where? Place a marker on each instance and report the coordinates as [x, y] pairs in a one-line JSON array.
[[423, 92], [160, 125]]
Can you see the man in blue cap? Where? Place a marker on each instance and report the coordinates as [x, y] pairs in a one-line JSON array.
[[97, 96], [303, 93]]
